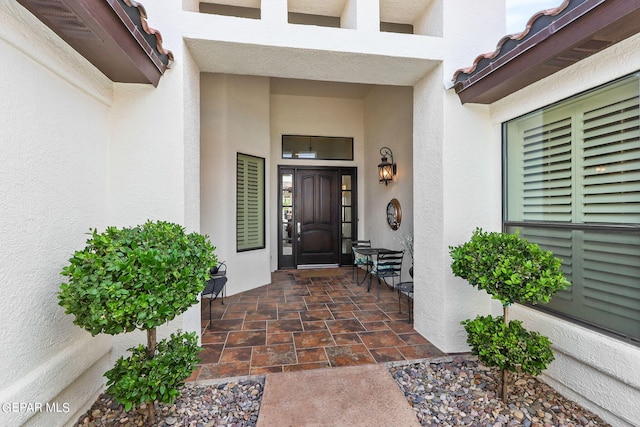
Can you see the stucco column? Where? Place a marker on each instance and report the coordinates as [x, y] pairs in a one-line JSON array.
[[274, 11], [451, 165], [363, 15], [428, 223]]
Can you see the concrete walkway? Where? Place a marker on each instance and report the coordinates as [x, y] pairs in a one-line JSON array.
[[351, 396]]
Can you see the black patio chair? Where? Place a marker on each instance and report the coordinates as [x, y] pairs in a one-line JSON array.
[[359, 260], [388, 265], [405, 288], [216, 285]]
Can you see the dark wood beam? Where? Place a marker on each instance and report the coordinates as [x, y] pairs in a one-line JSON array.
[[103, 32]]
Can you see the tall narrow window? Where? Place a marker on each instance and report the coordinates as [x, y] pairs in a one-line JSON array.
[[250, 212], [348, 214]]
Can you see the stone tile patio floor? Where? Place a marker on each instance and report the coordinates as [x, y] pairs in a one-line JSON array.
[[306, 319]]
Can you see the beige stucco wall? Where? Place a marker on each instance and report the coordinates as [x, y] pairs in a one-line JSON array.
[[234, 118], [240, 114], [587, 362], [389, 123], [320, 116]]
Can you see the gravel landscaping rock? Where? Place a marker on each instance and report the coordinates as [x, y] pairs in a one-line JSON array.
[[462, 392], [454, 391], [230, 404]]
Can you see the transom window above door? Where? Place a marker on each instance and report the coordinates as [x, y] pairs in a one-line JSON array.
[[304, 147]]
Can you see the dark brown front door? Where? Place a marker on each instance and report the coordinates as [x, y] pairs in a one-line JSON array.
[[317, 194]]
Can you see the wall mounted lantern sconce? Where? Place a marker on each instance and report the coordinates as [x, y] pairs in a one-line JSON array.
[[386, 170]]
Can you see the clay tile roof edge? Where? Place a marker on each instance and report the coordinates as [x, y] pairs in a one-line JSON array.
[[518, 36], [151, 31]]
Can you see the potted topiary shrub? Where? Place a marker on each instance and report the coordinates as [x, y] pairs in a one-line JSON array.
[[511, 270], [139, 278]]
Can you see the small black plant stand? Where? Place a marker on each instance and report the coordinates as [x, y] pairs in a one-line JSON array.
[[216, 285]]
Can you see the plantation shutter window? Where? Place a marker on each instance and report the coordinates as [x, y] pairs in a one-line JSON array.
[[250, 210], [543, 178], [572, 185], [610, 157]]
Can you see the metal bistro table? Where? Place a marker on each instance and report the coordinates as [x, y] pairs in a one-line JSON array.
[[370, 253]]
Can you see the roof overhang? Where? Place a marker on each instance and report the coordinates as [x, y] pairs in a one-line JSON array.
[[579, 30], [112, 34]]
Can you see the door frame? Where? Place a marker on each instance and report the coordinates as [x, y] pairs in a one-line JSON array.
[[347, 214]]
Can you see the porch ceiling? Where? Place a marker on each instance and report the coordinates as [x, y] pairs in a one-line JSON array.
[[215, 56]]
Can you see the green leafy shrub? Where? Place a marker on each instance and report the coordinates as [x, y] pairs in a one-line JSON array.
[[508, 345], [139, 278], [510, 269], [135, 278], [140, 378]]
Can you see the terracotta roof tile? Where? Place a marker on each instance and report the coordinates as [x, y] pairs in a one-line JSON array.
[[537, 22], [113, 35], [155, 39], [553, 39]]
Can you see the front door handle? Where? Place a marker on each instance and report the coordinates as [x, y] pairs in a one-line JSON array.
[[298, 231]]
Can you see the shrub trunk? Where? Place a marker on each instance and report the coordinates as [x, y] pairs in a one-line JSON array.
[[151, 351], [504, 392]]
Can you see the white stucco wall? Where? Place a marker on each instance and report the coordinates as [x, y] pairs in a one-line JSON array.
[[587, 362], [79, 151], [53, 183], [274, 48], [456, 189], [141, 153], [454, 193], [154, 153], [389, 123]]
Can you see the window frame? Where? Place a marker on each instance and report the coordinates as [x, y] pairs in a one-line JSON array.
[[573, 225], [286, 139], [242, 238]]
